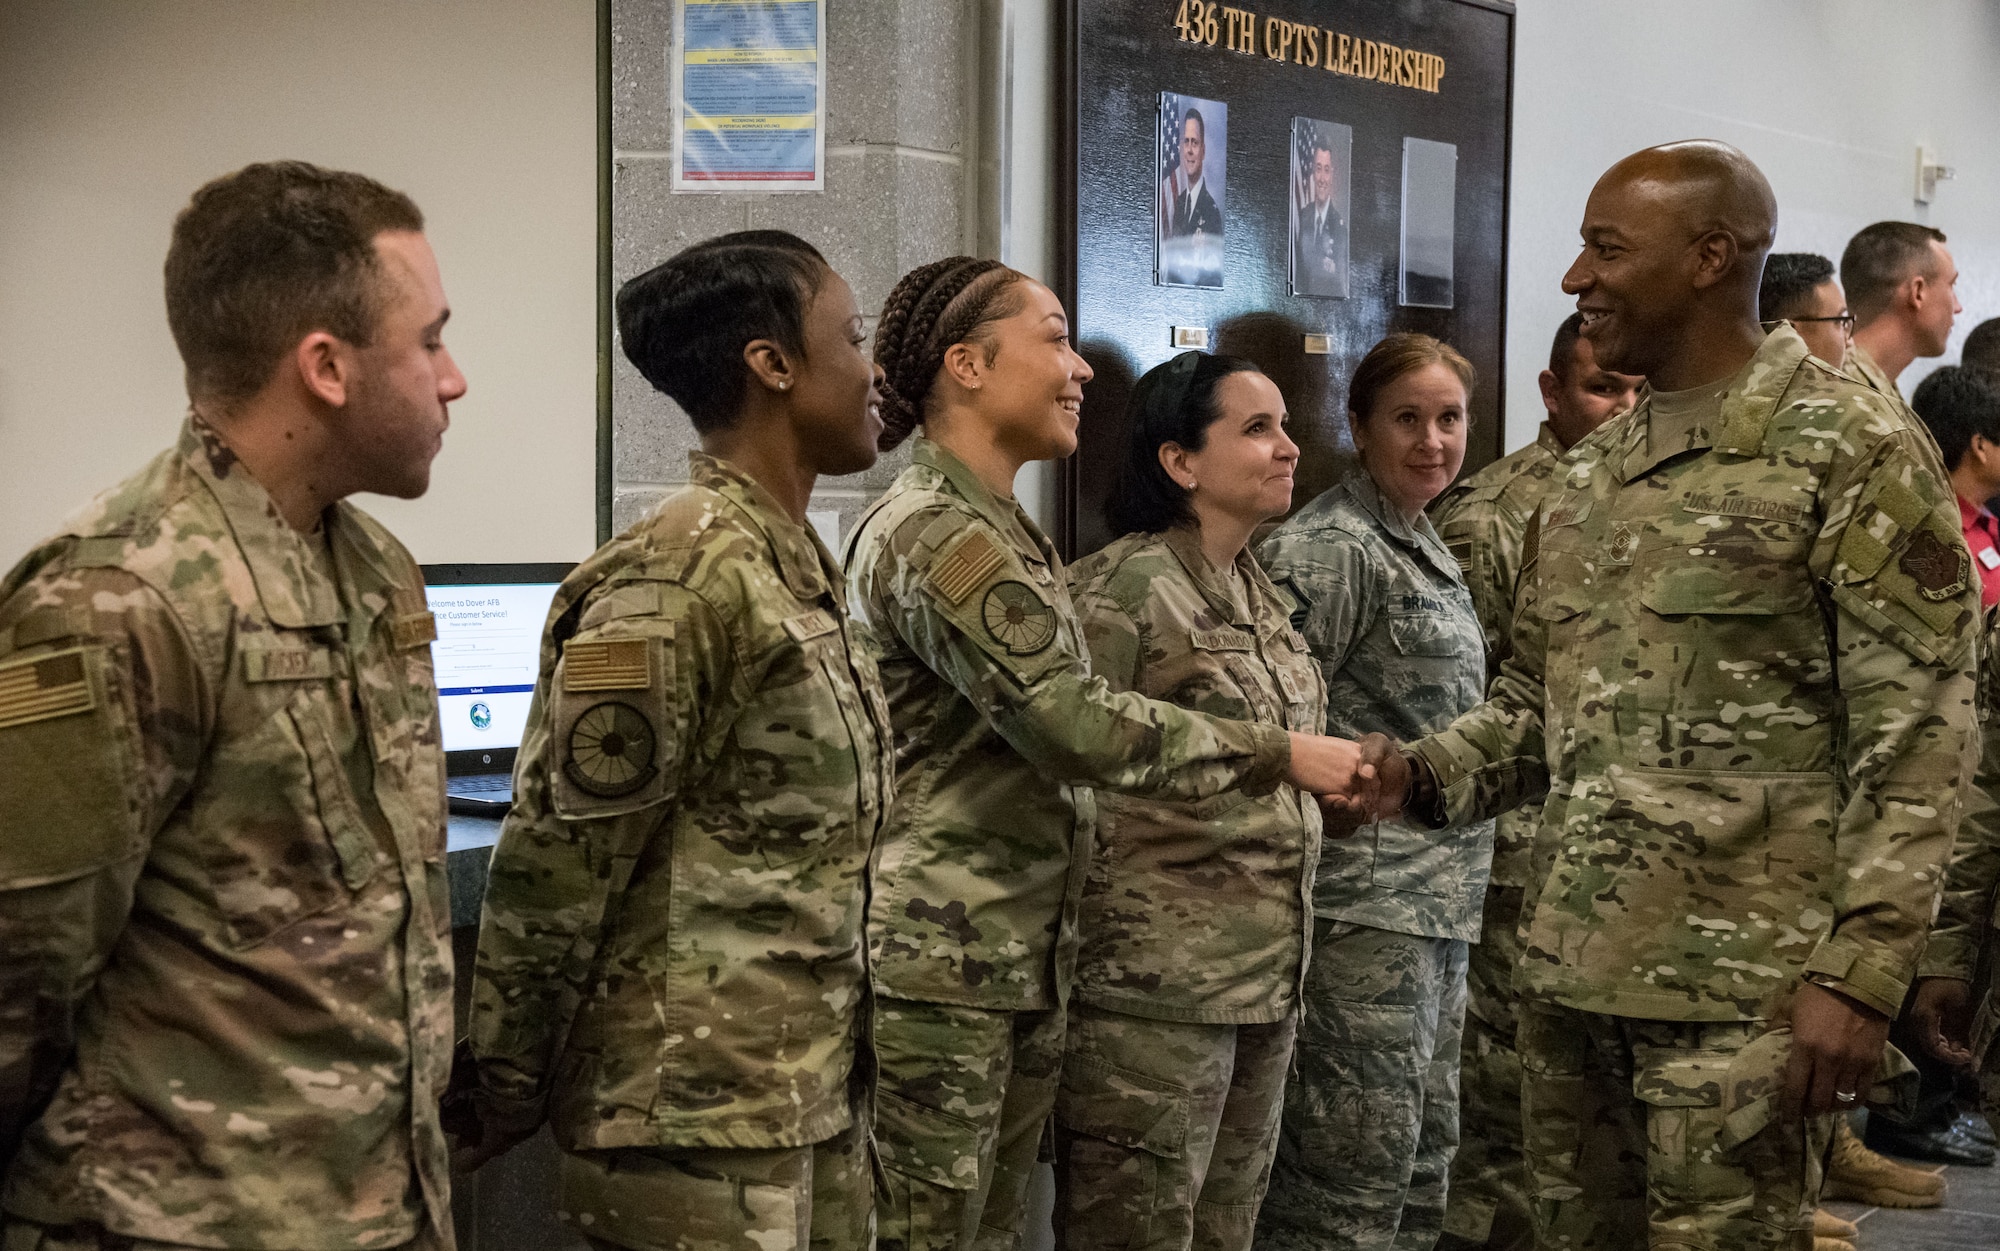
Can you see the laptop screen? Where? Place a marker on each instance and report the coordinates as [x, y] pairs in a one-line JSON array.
[[488, 649]]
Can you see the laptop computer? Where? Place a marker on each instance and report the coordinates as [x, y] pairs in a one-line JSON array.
[[487, 653]]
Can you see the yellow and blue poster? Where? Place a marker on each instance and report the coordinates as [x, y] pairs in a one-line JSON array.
[[749, 83]]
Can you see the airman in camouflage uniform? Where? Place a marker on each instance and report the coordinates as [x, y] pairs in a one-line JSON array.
[[1741, 670], [1371, 1112], [226, 993], [1193, 917], [1484, 523], [1966, 941], [225, 1007], [984, 855], [670, 961]]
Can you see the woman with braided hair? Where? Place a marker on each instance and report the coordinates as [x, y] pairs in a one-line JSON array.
[[1000, 730]]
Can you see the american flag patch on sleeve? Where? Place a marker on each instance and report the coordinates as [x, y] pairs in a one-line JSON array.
[[43, 688]]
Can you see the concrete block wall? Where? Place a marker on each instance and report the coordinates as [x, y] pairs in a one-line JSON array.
[[896, 196]]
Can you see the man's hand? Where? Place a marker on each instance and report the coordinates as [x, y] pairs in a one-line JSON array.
[[1384, 757], [1327, 766], [1836, 1049], [1942, 1014]]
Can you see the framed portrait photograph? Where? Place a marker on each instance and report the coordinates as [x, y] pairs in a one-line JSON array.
[[1193, 138], [1430, 194], [1322, 157]]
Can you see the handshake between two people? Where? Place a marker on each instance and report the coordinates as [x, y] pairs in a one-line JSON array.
[[1355, 781]]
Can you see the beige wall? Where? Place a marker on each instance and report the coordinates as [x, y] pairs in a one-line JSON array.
[[112, 111]]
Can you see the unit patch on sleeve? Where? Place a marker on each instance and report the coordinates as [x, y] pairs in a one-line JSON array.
[[1017, 618], [610, 750], [1940, 571]]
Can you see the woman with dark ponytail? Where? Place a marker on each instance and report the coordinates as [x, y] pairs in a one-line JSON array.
[[1000, 729], [1195, 914]]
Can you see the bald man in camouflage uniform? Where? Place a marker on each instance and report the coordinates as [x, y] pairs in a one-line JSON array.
[[1484, 523], [1742, 672], [225, 1001]]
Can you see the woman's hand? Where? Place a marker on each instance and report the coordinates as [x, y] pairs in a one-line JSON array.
[[1329, 766]]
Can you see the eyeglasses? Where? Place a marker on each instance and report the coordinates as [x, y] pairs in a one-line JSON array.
[[1846, 321]]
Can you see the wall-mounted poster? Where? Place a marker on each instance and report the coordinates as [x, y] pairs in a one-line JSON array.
[[1193, 155], [1321, 159], [749, 83], [1430, 194]]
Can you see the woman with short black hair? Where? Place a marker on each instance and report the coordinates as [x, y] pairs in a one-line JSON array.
[[1194, 913], [671, 970]]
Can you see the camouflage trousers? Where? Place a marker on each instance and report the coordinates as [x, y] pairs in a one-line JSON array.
[[964, 1096], [1165, 1131], [815, 1198], [1371, 1107], [1488, 1205], [22, 1235], [1661, 1134]]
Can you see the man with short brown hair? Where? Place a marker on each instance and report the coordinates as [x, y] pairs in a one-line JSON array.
[[1902, 287], [225, 1006]]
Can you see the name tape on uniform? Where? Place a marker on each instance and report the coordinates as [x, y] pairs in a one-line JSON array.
[[607, 665], [811, 625], [287, 664], [414, 630], [43, 688]]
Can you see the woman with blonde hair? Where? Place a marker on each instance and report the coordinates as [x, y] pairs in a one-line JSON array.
[[1371, 1112]]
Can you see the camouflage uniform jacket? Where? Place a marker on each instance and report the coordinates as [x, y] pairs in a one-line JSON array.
[[671, 948], [222, 873], [1742, 671], [1861, 367], [1970, 913], [1387, 615], [1484, 523], [1198, 911], [1000, 729]]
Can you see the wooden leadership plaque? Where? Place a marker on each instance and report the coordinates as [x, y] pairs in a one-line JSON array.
[[1299, 179]]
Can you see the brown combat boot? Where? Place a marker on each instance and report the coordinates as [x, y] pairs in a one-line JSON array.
[[1830, 1228], [1860, 1175]]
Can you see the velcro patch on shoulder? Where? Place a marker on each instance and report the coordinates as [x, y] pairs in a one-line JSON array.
[[811, 625], [414, 630], [608, 665], [1461, 551], [960, 571], [297, 662], [1223, 640], [44, 687], [46, 625]]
